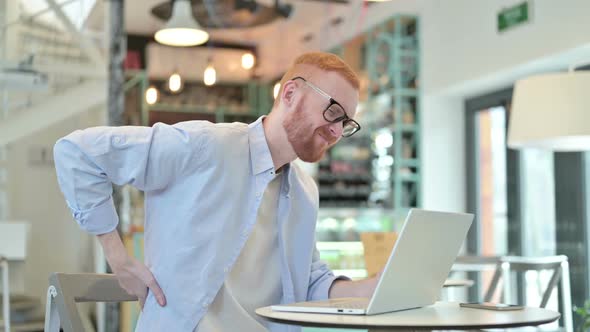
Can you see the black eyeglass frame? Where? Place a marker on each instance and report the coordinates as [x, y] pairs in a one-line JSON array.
[[345, 119]]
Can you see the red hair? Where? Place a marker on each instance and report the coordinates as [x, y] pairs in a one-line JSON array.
[[320, 60]]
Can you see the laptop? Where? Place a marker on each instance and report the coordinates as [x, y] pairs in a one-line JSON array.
[[416, 270]]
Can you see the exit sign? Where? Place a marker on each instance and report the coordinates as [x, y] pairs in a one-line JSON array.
[[513, 16]]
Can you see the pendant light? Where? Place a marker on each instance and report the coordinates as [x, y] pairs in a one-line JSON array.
[[175, 82], [209, 76], [248, 60], [276, 89], [182, 29], [152, 95]]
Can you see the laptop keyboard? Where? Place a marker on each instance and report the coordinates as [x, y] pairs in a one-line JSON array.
[[348, 303], [351, 305]]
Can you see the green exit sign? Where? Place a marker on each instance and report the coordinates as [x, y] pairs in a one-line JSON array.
[[513, 16]]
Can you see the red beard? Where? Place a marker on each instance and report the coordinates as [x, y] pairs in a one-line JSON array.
[[309, 144]]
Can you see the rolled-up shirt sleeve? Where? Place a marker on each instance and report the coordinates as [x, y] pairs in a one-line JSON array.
[[320, 279], [88, 162]]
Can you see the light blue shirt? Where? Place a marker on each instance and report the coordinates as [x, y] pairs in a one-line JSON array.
[[203, 185]]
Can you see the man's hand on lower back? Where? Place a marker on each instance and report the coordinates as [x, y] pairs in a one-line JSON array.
[[134, 277]]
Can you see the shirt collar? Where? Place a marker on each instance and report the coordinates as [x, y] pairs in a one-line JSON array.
[[260, 157]]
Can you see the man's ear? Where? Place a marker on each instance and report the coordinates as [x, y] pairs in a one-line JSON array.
[[288, 93]]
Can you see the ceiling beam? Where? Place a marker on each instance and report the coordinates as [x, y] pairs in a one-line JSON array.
[[70, 69], [73, 101], [87, 46]]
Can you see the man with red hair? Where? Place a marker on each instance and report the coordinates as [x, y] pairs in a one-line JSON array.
[[230, 219]]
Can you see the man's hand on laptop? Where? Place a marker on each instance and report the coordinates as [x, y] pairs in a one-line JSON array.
[[357, 288], [378, 276]]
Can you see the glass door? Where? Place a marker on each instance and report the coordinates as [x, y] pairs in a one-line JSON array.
[[491, 176], [512, 193]]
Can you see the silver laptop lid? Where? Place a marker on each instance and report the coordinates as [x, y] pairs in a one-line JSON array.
[[420, 261]]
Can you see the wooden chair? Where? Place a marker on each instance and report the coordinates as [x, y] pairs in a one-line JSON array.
[[67, 289]]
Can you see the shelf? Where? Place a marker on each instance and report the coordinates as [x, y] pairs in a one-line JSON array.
[[347, 161], [408, 53], [186, 108], [408, 163], [392, 105], [409, 178], [351, 190], [326, 193], [352, 273], [340, 245], [346, 177], [339, 203], [354, 212], [403, 92], [404, 128]]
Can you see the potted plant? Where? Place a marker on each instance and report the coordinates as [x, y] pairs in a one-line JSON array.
[[584, 313]]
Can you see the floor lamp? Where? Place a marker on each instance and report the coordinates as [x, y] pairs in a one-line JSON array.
[[552, 112]]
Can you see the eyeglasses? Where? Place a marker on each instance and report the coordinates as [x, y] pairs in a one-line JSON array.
[[334, 112]]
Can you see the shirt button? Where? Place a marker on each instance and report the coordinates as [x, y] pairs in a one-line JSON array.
[[258, 194], [226, 269], [205, 304]]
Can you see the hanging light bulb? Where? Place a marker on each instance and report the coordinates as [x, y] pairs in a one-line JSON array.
[[151, 95], [182, 29], [276, 89], [210, 76], [248, 60], [175, 82]]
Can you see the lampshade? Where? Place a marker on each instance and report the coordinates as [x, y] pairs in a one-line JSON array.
[[551, 112], [182, 29]]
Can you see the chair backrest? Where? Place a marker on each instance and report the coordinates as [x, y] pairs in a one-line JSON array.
[[66, 289], [524, 264], [503, 266], [480, 264]]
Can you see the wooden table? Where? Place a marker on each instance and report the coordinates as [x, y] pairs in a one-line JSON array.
[[439, 316]]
